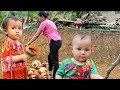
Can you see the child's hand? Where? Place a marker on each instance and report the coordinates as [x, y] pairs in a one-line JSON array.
[[24, 57]]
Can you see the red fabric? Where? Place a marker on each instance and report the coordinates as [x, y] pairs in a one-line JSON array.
[[16, 73], [11, 48], [78, 23]]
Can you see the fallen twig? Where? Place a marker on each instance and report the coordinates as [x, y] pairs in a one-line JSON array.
[[112, 66]]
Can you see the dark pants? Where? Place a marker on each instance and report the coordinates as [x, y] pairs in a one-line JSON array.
[[53, 55]]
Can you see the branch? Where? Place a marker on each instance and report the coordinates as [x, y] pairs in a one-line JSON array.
[[112, 66]]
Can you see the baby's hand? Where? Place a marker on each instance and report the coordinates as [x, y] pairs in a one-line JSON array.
[[96, 76], [24, 57], [26, 45]]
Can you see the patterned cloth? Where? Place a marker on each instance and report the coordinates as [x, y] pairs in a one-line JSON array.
[[12, 70], [69, 70]]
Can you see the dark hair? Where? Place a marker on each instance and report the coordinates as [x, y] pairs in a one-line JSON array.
[[6, 20], [43, 13]]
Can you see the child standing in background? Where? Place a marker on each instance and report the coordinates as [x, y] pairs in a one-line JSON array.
[[13, 57], [80, 66]]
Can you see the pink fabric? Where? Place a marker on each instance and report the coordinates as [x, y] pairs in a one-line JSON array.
[[49, 30]]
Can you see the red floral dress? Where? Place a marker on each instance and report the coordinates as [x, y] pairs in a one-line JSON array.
[[12, 70]]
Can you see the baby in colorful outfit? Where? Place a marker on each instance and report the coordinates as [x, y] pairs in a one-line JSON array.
[[81, 65]]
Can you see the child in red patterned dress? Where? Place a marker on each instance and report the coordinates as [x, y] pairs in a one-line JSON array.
[[13, 57]]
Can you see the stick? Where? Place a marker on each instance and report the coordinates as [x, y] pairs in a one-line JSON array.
[[112, 66]]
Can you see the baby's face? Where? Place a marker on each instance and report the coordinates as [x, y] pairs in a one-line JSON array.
[[81, 49], [14, 29]]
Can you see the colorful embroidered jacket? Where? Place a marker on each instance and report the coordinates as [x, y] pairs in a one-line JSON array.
[[10, 69], [69, 70]]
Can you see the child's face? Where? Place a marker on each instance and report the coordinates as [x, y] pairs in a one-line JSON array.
[[82, 49], [14, 29]]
